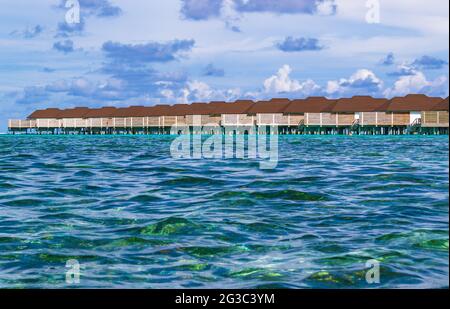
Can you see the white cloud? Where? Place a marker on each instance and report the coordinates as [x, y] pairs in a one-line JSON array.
[[361, 82], [230, 15], [327, 7], [282, 83], [418, 83], [201, 92]]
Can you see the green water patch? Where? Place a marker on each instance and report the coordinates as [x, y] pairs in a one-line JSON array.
[[192, 267], [26, 202], [211, 252], [12, 240], [356, 278], [433, 244], [355, 259], [329, 279], [342, 260], [145, 198], [5, 185], [256, 273], [10, 257], [230, 194], [423, 239], [134, 242], [290, 195], [66, 242], [172, 226]]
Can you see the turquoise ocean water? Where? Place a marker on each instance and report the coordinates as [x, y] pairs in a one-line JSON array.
[[134, 217]]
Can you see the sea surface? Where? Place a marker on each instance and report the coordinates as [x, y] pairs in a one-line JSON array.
[[134, 217]]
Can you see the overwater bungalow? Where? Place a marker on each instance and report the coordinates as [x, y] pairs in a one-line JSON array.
[[408, 110], [270, 113], [312, 112], [201, 114], [236, 114], [436, 119], [361, 110], [38, 119], [101, 119], [314, 115]]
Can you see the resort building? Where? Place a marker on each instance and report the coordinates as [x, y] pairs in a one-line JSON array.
[[411, 114], [236, 114], [270, 113], [311, 114]]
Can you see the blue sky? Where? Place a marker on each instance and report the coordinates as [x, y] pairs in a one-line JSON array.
[[130, 52]]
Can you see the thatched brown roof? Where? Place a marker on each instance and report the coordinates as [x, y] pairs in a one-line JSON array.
[[416, 102], [412, 102], [273, 106], [441, 106], [310, 105], [360, 104]]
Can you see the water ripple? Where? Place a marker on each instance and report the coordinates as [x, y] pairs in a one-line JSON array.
[[136, 218]]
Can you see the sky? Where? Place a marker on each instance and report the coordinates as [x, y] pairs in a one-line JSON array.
[[133, 52]]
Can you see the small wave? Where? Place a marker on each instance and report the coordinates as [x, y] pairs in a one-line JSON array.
[[145, 198], [27, 202], [190, 181], [291, 195], [171, 226]]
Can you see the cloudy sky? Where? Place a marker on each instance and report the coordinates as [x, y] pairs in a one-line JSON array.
[[133, 52]]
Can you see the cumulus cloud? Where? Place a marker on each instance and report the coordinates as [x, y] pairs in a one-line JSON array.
[[200, 9], [230, 15], [326, 7], [67, 30], [146, 53], [388, 60], [291, 44], [199, 91], [361, 82], [28, 33], [129, 72], [65, 46], [429, 63], [403, 70], [33, 95], [282, 83], [81, 87], [418, 83], [131, 65], [211, 70]]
